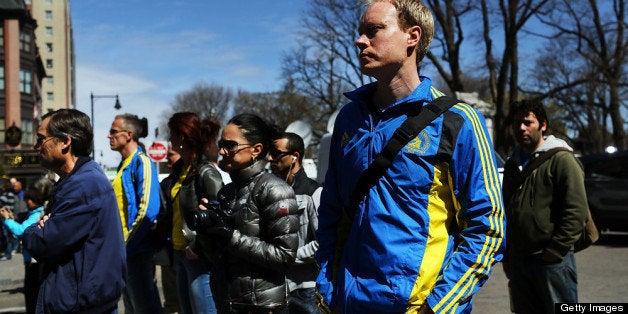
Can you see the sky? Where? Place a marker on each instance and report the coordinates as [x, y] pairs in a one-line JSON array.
[[148, 51]]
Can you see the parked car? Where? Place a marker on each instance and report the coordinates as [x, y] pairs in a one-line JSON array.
[[606, 182]]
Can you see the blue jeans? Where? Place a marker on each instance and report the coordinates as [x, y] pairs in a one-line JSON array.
[[195, 295], [303, 301], [536, 285], [140, 293], [12, 242]]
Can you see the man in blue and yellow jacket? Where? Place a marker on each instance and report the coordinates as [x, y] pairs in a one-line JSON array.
[[137, 190], [426, 235]]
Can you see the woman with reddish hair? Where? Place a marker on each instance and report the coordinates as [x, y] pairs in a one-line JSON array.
[[194, 176]]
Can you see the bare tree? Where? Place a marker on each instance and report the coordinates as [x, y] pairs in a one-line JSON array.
[[599, 41], [283, 107], [325, 63], [577, 103], [448, 40], [503, 72], [207, 100]]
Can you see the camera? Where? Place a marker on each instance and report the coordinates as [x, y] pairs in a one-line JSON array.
[[202, 219]]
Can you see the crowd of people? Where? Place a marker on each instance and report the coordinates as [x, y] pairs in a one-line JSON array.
[[238, 227]]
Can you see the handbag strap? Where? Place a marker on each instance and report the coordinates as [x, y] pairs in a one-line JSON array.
[[540, 159], [408, 130]]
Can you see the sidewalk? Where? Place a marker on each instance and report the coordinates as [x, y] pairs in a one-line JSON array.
[[11, 285]]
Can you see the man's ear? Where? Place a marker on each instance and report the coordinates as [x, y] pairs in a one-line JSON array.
[[414, 35], [67, 144], [295, 157]]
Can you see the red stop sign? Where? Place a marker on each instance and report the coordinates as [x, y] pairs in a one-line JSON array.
[[158, 151]]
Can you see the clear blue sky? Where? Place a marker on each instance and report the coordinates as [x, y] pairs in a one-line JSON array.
[[148, 51]]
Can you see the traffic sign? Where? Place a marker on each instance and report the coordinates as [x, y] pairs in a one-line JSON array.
[[158, 151]]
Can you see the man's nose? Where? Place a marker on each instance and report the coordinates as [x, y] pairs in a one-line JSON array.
[[361, 42]]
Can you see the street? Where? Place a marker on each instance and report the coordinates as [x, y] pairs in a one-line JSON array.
[[602, 277]]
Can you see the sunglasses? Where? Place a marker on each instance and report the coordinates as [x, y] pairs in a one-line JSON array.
[[230, 145], [276, 154], [41, 140], [114, 131]]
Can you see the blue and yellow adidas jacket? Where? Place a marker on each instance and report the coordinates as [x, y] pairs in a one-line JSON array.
[[141, 201], [429, 230]]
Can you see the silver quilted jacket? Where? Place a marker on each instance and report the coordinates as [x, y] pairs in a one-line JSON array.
[[250, 268]]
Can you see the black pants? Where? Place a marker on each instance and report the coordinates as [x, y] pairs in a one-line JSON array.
[[32, 275]]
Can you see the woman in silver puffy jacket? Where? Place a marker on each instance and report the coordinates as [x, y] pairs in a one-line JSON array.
[[255, 224]]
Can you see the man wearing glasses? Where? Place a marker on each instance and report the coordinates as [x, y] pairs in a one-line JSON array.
[[137, 190], [79, 239], [285, 157]]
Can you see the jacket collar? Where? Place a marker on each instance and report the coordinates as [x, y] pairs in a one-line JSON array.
[[364, 95], [242, 176]]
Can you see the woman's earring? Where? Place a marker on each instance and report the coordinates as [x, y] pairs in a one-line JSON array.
[[181, 146]]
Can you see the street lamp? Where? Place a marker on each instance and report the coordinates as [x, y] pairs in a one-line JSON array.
[[117, 106]]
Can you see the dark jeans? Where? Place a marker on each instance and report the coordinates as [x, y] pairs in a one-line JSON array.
[[140, 293], [537, 285], [304, 301]]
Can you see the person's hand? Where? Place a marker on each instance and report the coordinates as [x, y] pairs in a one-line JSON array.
[[219, 228], [189, 254], [42, 221], [550, 258], [202, 204], [4, 213]]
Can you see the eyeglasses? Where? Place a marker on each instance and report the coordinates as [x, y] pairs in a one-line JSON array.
[[230, 146], [114, 132], [41, 140], [276, 154]]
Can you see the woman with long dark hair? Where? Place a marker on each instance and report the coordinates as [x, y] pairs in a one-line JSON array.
[[255, 225]]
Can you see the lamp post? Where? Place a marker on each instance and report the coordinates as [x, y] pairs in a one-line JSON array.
[[117, 106]]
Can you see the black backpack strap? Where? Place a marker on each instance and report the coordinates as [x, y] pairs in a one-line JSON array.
[[408, 130]]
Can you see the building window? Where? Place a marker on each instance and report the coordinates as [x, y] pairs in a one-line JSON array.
[[48, 31], [48, 47], [50, 80], [25, 41], [1, 77], [50, 96], [27, 1], [48, 1], [26, 125], [26, 79], [49, 63], [1, 36], [2, 128], [48, 15]]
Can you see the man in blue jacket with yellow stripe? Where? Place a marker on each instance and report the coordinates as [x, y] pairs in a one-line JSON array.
[[137, 189], [426, 235]]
